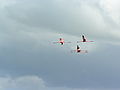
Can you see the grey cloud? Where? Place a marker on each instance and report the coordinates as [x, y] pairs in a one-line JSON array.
[[33, 82], [63, 16], [73, 17], [57, 68], [27, 50]]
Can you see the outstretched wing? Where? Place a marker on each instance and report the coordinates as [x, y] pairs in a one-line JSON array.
[[58, 42], [83, 41], [73, 51], [55, 42], [83, 38], [81, 51], [78, 47], [67, 42]]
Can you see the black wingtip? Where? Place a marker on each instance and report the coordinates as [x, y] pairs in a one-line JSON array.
[[78, 47]]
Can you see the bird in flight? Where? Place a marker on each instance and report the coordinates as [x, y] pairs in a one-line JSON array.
[[84, 39], [78, 50], [61, 41]]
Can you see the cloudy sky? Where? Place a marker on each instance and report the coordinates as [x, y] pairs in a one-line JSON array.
[[30, 61]]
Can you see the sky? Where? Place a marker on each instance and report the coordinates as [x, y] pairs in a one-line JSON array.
[[30, 61]]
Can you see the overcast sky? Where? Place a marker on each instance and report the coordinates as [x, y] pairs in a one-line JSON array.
[[30, 61]]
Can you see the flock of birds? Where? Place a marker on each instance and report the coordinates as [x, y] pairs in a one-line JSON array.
[[77, 50]]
